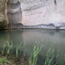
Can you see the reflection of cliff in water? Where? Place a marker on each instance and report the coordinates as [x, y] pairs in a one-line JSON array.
[[15, 37], [11, 36], [3, 37]]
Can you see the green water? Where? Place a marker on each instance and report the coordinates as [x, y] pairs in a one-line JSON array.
[[31, 37]]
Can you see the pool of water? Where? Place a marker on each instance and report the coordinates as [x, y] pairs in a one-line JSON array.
[[31, 37]]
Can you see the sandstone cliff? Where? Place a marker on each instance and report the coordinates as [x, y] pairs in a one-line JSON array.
[[38, 13], [43, 12], [3, 17]]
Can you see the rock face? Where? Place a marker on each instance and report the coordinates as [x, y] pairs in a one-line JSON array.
[[38, 13], [43, 12], [14, 13], [3, 17]]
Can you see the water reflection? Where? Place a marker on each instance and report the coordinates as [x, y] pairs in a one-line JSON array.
[[31, 37], [15, 36]]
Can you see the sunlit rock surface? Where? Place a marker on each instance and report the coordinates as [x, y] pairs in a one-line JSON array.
[[37, 13], [44, 12]]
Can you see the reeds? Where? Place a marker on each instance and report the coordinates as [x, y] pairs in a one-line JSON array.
[[6, 48], [51, 56], [19, 48], [9, 48], [50, 59], [64, 59], [3, 49], [4, 61], [34, 55]]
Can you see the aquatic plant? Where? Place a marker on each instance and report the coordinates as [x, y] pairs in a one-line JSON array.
[[34, 55], [19, 48], [3, 48], [4, 60], [17, 52], [6, 48], [9, 48], [51, 56], [64, 59]]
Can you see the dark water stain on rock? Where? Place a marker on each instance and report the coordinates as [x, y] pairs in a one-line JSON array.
[[55, 2]]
